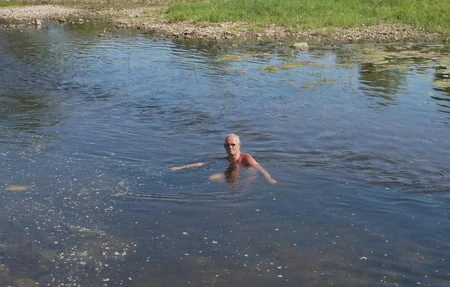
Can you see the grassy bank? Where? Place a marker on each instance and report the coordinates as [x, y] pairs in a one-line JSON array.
[[432, 15], [316, 20]]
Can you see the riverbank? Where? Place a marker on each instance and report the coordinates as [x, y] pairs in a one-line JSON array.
[[150, 19]]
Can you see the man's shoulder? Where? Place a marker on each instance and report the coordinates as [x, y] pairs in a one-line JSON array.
[[246, 155], [247, 158]]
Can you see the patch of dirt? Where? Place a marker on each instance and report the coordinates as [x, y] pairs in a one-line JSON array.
[[149, 19], [30, 13]]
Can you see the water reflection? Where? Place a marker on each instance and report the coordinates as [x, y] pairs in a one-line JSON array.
[[442, 81], [90, 126], [233, 177], [384, 69], [381, 84]]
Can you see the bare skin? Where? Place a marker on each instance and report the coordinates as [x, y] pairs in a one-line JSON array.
[[236, 158]]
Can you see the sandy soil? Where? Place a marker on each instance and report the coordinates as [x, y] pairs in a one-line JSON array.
[[28, 13], [149, 19]]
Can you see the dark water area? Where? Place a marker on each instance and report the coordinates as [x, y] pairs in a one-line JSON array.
[[357, 137]]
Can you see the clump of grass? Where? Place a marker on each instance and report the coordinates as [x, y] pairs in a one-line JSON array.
[[432, 15], [10, 3]]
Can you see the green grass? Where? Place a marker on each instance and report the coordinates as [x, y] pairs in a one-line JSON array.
[[432, 15], [10, 3]]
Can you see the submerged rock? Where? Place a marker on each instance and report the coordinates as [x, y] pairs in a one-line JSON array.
[[25, 282], [301, 46]]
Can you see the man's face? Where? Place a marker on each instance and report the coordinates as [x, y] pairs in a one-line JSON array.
[[231, 145]]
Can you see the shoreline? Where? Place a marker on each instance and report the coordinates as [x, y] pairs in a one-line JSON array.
[[149, 20]]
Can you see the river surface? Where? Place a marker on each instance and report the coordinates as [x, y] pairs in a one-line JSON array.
[[356, 136]]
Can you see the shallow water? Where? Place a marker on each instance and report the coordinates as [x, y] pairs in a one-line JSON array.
[[357, 137]]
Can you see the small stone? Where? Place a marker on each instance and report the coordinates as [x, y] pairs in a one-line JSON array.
[[301, 46], [37, 22]]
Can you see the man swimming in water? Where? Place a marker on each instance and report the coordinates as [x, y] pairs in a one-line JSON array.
[[236, 158]]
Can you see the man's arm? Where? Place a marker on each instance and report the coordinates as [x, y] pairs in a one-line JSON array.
[[195, 164], [252, 161], [265, 173]]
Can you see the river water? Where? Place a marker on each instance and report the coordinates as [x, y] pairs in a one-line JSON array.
[[356, 136]]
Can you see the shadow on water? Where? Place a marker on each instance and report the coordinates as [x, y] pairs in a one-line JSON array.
[[356, 137]]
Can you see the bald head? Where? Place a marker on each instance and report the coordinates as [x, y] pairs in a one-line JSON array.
[[232, 138], [232, 145]]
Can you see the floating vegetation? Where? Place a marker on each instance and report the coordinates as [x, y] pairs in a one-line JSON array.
[[443, 71], [271, 69], [17, 187], [234, 57], [400, 57], [292, 65], [320, 82], [236, 71], [445, 84], [405, 59], [445, 62]]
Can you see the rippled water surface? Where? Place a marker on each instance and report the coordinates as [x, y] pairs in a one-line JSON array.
[[357, 137]]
